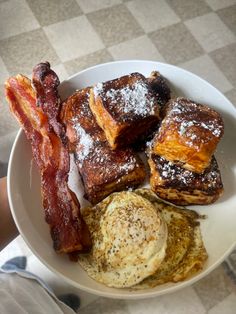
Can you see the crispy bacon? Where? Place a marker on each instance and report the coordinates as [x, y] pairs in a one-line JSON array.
[[46, 82], [62, 210]]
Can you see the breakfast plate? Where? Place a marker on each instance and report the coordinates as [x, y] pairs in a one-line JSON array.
[[218, 230]]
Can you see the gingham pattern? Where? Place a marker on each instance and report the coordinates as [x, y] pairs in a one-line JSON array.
[[198, 35]]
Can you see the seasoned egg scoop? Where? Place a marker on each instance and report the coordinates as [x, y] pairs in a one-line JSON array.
[[185, 253], [129, 239]]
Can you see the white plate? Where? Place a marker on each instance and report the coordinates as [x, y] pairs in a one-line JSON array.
[[219, 230]]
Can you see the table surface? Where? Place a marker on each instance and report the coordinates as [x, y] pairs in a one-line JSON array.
[[74, 34]]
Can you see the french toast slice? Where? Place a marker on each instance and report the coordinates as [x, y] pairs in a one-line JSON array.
[[125, 108], [105, 171], [102, 170], [189, 134], [184, 187]]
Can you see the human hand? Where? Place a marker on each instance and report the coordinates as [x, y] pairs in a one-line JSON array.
[[8, 230]]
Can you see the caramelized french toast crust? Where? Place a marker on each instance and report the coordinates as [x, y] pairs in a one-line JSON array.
[[102, 170], [124, 106], [184, 187], [189, 134]]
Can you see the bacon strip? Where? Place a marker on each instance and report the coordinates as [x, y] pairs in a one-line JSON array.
[[62, 210], [46, 82]]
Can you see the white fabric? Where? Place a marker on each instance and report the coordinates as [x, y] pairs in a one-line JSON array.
[[23, 295], [58, 285]]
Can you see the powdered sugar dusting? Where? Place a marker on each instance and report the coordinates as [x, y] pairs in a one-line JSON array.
[[135, 99], [85, 141], [92, 148], [104, 158], [197, 123], [130, 164], [98, 88], [212, 126], [184, 126], [182, 177]]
